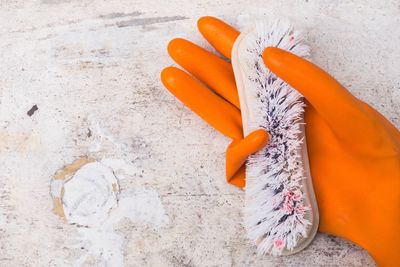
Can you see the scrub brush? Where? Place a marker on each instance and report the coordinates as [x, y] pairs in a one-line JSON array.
[[281, 214]]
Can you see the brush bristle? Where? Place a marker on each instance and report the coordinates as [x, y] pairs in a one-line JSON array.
[[275, 209]]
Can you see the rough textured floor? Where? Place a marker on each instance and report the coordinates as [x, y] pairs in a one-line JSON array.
[[92, 68]]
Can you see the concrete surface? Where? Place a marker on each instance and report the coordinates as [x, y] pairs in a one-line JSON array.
[[92, 69]]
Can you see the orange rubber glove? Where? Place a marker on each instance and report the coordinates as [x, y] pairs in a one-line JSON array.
[[354, 151], [354, 155], [212, 93]]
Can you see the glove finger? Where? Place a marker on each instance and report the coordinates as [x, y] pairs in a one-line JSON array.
[[239, 178], [335, 104], [220, 35], [219, 113], [239, 150], [206, 67]]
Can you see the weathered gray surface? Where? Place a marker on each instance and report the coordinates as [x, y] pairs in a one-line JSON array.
[[92, 62]]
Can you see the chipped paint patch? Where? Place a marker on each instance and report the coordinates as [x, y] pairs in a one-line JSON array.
[[69, 169], [19, 142], [57, 183]]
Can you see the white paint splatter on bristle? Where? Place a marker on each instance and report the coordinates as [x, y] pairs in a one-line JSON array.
[[276, 209]]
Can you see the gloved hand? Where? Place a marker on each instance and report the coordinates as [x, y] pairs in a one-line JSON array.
[[220, 105], [354, 155], [354, 151]]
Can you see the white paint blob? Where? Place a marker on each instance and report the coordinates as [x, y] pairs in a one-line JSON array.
[[90, 195], [91, 199]]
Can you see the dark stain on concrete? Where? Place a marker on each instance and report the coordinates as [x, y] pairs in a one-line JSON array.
[[32, 110], [146, 21], [120, 15]]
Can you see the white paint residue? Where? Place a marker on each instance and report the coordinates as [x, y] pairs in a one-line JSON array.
[[56, 187], [91, 199], [90, 195], [101, 134], [103, 244], [119, 167], [3, 220], [141, 207]]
